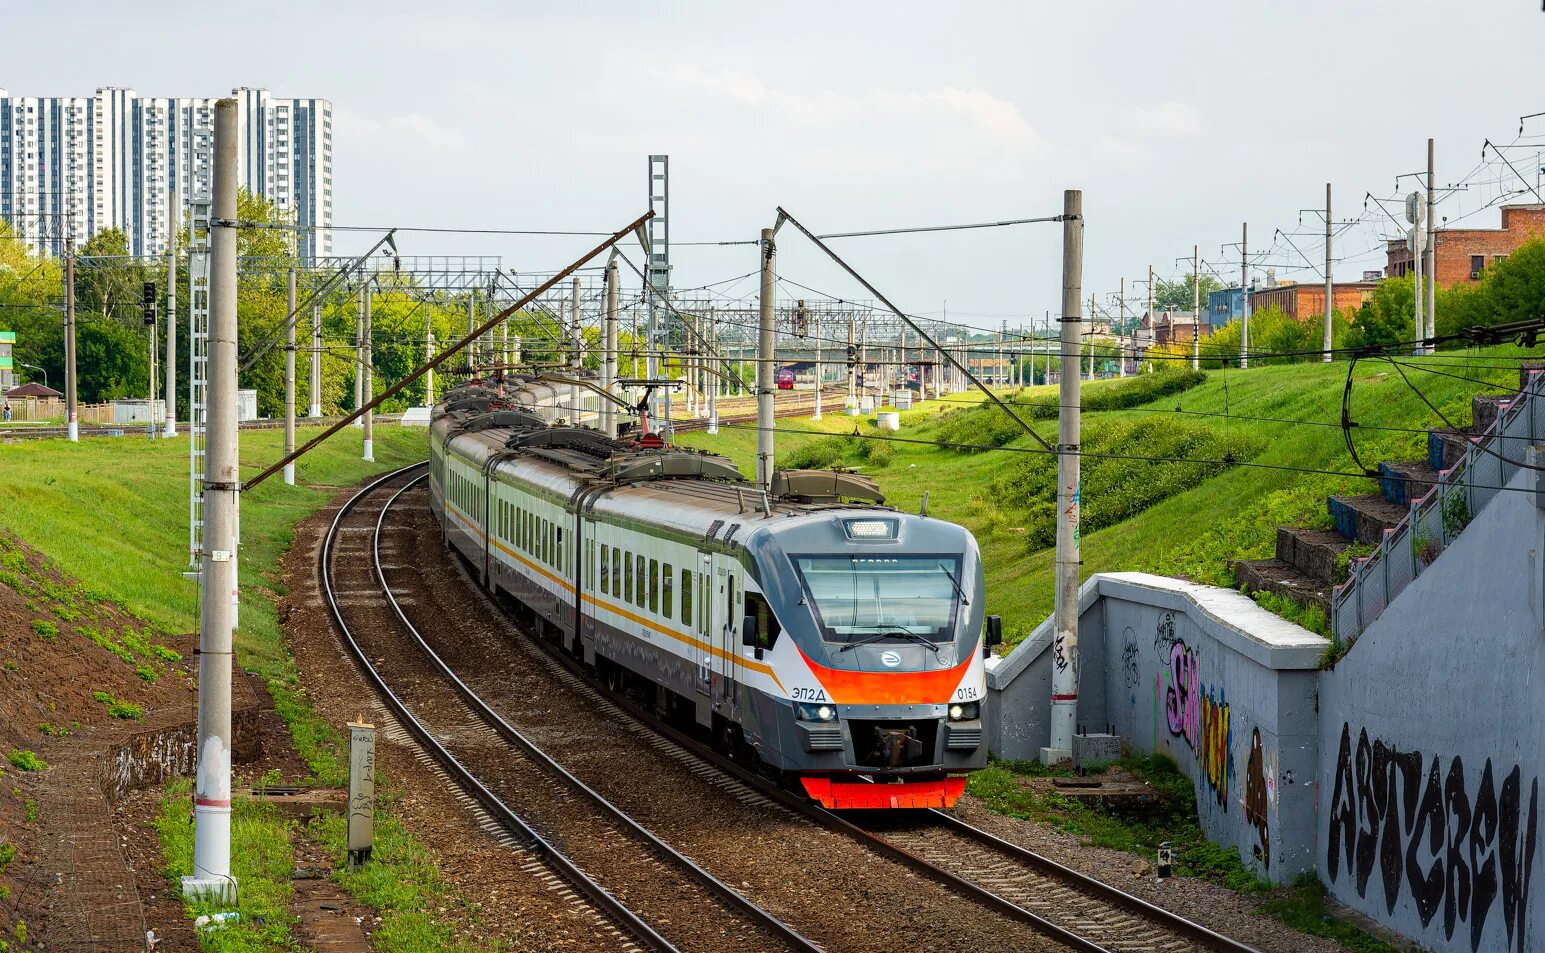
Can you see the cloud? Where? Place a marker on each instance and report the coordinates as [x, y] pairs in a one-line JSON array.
[[1167, 119], [948, 125], [362, 128]]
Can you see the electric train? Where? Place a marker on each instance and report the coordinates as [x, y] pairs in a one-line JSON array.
[[834, 639]]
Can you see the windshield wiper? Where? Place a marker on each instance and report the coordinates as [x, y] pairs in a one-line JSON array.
[[902, 633], [958, 591]]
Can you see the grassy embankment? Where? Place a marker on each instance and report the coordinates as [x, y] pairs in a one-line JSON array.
[[1175, 519], [113, 513]]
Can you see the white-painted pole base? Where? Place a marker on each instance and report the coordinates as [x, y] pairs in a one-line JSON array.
[[289, 471], [211, 856], [170, 430], [73, 431], [315, 411], [359, 422], [713, 422], [370, 451]]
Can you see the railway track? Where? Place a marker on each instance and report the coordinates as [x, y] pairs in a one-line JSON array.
[[1078, 910], [647, 890]]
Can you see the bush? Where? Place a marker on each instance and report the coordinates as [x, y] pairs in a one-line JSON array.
[[879, 453], [46, 630], [819, 454], [24, 760], [1116, 488], [119, 708]]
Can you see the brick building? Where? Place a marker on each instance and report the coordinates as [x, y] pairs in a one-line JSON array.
[[1464, 253], [1304, 301]]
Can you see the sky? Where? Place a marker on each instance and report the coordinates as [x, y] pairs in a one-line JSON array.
[[1179, 121]]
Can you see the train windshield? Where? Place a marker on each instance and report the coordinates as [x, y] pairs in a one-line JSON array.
[[860, 597]]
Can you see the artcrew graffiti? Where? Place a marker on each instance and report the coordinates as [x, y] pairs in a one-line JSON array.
[[1433, 839], [1197, 713]]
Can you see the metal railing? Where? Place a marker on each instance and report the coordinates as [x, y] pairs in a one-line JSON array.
[[1411, 546]]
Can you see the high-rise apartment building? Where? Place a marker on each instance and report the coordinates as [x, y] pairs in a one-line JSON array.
[[71, 167]]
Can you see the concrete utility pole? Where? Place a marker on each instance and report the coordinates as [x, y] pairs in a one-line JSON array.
[[1064, 674], [1431, 258], [1416, 241], [1092, 313], [429, 355], [1244, 296], [1196, 307], [852, 407], [170, 429], [819, 371], [315, 410], [150, 403], [359, 353], [212, 878], [72, 428], [289, 377], [1121, 330], [574, 358], [717, 384], [471, 326], [764, 362], [1153, 326], [367, 378], [609, 351], [1330, 279]]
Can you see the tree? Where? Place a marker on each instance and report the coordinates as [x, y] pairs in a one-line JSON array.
[[1176, 295]]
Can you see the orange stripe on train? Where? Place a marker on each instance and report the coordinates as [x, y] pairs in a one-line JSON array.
[[847, 687]]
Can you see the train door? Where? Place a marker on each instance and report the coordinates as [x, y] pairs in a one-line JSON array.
[[703, 579], [726, 632]]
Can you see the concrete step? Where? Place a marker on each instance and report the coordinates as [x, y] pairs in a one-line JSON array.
[[1405, 483], [1274, 575], [1484, 409], [1311, 552], [1445, 447], [1366, 517]]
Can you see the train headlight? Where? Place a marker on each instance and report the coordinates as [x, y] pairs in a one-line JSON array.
[[806, 711], [965, 711]]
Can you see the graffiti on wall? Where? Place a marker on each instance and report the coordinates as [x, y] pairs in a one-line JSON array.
[[1197, 713], [1258, 798], [1461, 846], [1129, 666]]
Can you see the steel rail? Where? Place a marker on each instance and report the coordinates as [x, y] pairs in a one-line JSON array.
[[512, 735], [502, 813], [1205, 937]]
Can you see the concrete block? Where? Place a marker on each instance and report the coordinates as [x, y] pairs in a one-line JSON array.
[[1092, 752]]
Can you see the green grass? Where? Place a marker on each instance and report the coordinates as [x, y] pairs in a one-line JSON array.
[[401, 880], [262, 859], [1171, 817], [114, 512], [1230, 514], [24, 760]]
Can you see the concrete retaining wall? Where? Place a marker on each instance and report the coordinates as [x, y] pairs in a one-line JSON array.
[[1202, 674], [1432, 733]]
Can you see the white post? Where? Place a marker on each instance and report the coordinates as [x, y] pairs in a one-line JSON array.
[[289, 375], [1121, 332], [367, 378], [764, 363], [170, 429], [217, 572], [429, 355], [1064, 674], [1330, 281]]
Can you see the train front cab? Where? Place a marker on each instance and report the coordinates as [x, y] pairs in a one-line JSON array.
[[873, 625]]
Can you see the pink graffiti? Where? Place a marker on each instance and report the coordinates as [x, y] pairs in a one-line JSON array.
[[1182, 697]]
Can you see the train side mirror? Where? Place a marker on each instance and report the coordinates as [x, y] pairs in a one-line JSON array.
[[994, 633], [748, 631]]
